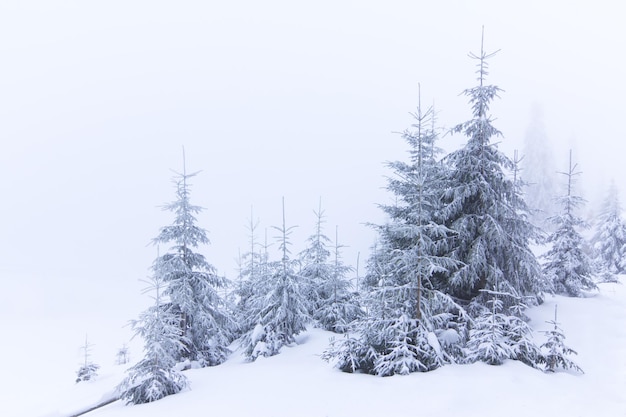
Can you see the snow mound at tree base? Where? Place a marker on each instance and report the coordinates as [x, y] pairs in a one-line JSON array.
[[297, 382]]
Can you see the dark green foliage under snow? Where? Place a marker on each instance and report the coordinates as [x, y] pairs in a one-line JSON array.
[[458, 235], [485, 209]]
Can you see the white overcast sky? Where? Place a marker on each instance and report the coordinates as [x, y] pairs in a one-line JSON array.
[[270, 99]]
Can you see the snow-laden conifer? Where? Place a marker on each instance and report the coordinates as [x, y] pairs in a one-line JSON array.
[[499, 333], [88, 369], [316, 267], [389, 341], [192, 283], [410, 326], [567, 266], [556, 351], [337, 305], [609, 240], [253, 276], [484, 208], [278, 307], [324, 281], [487, 342], [156, 376]]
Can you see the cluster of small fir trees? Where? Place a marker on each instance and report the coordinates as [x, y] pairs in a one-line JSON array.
[[453, 271], [279, 298], [191, 325], [277, 305], [447, 282]]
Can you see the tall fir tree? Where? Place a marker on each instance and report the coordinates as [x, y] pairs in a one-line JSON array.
[[485, 209], [279, 309], [609, 240], [567, 266], [410, 326], [192, 283]]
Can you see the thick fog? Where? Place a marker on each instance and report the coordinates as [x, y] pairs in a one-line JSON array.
[[270, 100]]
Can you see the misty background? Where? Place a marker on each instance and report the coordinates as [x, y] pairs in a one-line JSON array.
[[269, 99]]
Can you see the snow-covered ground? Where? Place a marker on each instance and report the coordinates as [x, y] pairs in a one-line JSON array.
[[38, 379]]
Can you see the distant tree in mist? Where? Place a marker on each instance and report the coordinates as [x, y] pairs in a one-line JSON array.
[[609, 240], [538, 168], [122, 355]]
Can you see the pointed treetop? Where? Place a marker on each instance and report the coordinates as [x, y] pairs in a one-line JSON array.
[[483, 57]]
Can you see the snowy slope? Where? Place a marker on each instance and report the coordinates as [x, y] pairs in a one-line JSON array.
[[298, 383]]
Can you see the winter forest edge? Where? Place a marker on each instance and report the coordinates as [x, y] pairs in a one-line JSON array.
[[448, 281]]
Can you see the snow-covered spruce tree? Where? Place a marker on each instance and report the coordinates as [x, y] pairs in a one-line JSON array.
[[390, 340], [315, 262], [497, 335], [252, 276], [556, 351], [278, 307], [88, 370], [338, 307], [410, 325], [609, 240], [567, 267], [156, 376], [192, 283], [324, 280], [485, 209]]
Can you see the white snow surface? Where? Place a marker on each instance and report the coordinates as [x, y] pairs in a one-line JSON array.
[[38, 382]]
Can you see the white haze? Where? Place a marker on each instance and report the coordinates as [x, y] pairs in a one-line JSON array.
[[269, 99]]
